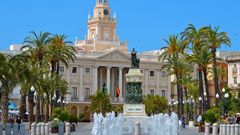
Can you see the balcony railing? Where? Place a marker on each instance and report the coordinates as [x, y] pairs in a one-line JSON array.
[[74, 99]]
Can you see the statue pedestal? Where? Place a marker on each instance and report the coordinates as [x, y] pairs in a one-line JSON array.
[[134, 110]]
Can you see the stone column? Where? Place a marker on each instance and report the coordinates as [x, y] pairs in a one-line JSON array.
[[22, 129], [33, 128], [228, 129], [236, 129], [95, 78], [224, 129], [220, 129], [137, 129], [68, 128], [38, 129], [15, 128], [101, 79], [47, 128], [158, 81], [120, 84], [207, 129], [42, 128], [108, 79], [113, 92], [146, 76], [81, 91], [215, 129], [232, 129]]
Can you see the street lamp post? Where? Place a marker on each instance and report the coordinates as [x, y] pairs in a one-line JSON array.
[[200, 105], [224, 98]]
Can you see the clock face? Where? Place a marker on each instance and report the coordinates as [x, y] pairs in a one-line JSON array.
[[106, 12]]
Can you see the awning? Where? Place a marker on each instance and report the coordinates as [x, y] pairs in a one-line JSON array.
[[12, 106]]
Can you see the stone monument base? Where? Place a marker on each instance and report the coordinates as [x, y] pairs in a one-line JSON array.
[[134, 110]]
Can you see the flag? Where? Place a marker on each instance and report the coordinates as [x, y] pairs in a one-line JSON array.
[[118, 91]]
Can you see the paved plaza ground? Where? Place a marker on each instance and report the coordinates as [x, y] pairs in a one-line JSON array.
[[85, 129]]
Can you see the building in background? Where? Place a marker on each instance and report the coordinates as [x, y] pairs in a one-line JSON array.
[[103, 61]]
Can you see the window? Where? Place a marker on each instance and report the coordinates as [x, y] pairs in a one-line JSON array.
[[61, 69], [106, 36], [151, 73], [87, 70], [163, 73], [141, 70], [152, 92], [235, 80], [163, 93], [87, 93], [74, 92], [74, 69]]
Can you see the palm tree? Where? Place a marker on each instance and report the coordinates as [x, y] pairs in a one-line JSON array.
[[193, 89], [8, 82], [36, 50], [173, 62], [23, 77], [100, 102], [197, 42], [60, 51], [214, 40]]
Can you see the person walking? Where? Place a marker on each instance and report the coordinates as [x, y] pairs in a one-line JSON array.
[[19, 121], [237, 120], [183, 121]]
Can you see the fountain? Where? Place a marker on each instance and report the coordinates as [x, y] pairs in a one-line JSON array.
[[134, 119]]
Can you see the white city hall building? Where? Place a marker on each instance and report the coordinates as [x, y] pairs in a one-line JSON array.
[[103, 61]]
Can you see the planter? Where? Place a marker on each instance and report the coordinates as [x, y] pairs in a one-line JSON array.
[[201, 127], [54, 129]]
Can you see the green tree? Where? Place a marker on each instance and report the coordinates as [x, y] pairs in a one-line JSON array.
[[155, 104], [196, 40], [59, 51], [35, 48], [214, 40], [8, 82], [173, 63], [100, 103]]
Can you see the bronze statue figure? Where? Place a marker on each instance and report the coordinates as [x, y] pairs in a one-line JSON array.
[[134, 60]]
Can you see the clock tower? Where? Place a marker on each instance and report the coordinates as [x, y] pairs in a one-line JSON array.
[[101, 33]]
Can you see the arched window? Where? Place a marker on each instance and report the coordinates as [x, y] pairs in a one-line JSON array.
[[74, 110]]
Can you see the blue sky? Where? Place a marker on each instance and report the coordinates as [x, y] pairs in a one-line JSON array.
[[144, 23]]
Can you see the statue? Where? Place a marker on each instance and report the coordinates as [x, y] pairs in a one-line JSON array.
[[134, 60]]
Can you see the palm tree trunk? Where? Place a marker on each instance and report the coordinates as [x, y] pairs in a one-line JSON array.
[[53, 66], [30, 107], [37, 110], [181, 100], [186, 94], [42, 106], [22, 109], [178, 97], [58, 67], [46, 112], [5, 107], [200, 89], [195, 111], [215, 74], [207, 101]]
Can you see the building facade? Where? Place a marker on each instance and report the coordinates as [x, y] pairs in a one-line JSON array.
[[103, 61]]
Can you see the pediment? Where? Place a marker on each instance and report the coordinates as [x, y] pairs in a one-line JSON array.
[[115, 55]]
